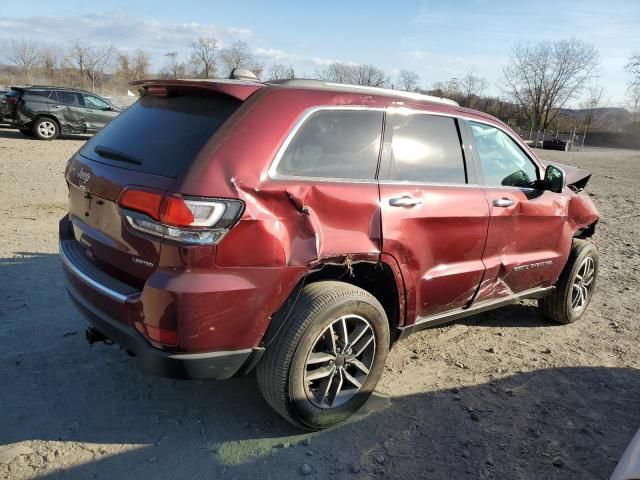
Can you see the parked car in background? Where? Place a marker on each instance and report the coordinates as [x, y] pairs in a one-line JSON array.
[[3, 92], [556, 144], [301, 227], [45, 112]]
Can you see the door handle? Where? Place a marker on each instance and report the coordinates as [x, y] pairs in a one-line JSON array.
[[404, 201], [503, 202]]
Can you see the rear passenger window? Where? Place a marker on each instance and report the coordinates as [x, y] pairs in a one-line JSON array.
[[335, 144], [426, 148], [70, 98], [40, 93]]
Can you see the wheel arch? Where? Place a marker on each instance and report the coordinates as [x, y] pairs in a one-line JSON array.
[[381, 279]]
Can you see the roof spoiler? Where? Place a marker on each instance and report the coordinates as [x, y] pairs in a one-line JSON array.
[[240, 89]]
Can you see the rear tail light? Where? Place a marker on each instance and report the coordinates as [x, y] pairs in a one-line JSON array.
[[183, 219]]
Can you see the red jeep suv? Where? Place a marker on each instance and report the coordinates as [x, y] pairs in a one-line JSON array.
[[301, 227]]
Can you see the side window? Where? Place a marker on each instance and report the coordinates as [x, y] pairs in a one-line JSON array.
[[335, 144], [503, 162], [94, 102], [40, 93], [426, 148], [70, 98]]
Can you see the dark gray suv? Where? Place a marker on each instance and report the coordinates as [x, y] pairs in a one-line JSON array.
[[46, 112]]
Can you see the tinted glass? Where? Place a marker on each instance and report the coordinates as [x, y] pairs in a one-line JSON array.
[[70, 98], [94, 102], [426, 148], [39, 93], [335, 144], [159, 135], [502, 161]]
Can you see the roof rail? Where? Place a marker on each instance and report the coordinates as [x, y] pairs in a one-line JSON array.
[[311, 83]]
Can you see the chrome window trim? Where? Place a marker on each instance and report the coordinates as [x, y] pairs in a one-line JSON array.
[[298, 125], [273, 175], [517, 141], [428, 184], [91, 282]]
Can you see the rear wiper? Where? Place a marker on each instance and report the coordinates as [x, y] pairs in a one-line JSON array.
[[107, 152]]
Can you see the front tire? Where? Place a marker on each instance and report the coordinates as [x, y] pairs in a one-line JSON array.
[[326, 363], [45, 129], [575, 287]]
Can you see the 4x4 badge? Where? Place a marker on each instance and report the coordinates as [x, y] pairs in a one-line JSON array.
[[83, 175]]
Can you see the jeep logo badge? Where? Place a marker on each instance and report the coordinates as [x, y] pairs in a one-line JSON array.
[[83, 175]]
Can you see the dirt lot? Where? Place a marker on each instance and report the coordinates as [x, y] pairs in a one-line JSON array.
[[503, 395]]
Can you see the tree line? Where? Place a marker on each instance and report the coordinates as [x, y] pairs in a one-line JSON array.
[[539, 81]]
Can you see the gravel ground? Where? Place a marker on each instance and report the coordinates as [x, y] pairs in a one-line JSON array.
[[503, 395]]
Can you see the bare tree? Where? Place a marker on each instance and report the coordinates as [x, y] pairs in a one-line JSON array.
[[91, 60], [367, 75], [203, 56], [140, 64], [472, 87], [123, 67], [25, 55], [130, 67], [279, 71], [633, 85], [52, 61], [542, 78], [591, 104], [238, 55], [408, 80], [173, 67], [633, 67], [633, 95], [336, 72], [449, 89]]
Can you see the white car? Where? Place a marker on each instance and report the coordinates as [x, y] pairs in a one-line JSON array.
[[629, 465]]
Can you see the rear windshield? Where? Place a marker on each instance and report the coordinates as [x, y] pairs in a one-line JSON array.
[[159, 135]]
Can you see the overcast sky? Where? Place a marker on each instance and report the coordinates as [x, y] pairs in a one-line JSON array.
[[437, 39]]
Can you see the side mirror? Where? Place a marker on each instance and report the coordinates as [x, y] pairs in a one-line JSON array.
[[554, 179]]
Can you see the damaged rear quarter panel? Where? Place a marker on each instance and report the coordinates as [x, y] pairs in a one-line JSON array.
[[287, 226]]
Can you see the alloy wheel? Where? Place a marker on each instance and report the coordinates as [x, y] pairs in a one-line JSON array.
[[583, 284], [339, 361], [47, 129]]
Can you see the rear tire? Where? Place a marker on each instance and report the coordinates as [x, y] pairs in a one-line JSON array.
[[575, 287], [45, 128], [336, 338]]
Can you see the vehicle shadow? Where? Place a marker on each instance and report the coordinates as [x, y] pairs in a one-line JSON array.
[[86, 403], [518, 315], [14, 133]]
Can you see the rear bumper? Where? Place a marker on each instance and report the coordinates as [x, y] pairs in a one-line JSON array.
[[207, 365]]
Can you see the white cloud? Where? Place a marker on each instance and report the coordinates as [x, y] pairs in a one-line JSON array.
[[117, 28]]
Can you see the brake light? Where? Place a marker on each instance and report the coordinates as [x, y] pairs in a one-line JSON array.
[[158, 91], [176, 212], [183, 219], [142, 201]]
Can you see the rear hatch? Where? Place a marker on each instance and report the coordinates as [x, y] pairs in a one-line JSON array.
[[148, 146], [8, 103]]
